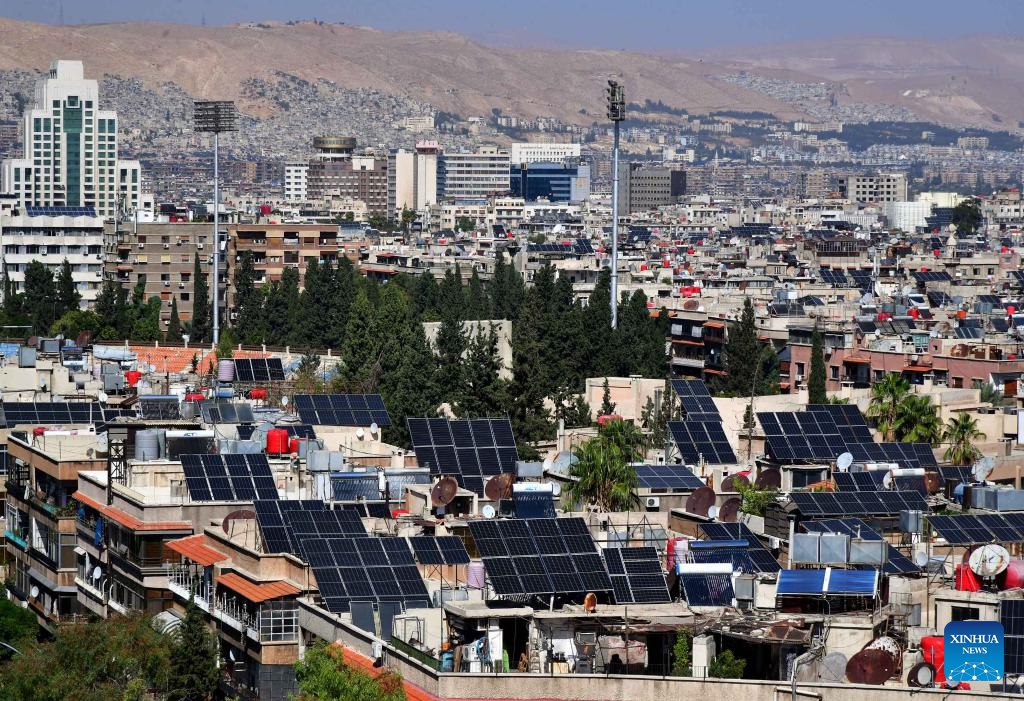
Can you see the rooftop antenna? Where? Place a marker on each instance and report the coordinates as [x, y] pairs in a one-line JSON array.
[[60, 15]]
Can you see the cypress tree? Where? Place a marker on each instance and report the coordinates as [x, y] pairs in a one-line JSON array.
[[530, 418], [193, 665], [742, 353], [816, 381], [40, 303], [249, 326], [68, 296], [476, 301], [292, 305], [425, 299], [200, 305], [482, 391], [174, 325], [408, 382], [362, 347]]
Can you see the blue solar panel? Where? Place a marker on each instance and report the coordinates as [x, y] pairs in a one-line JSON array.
[[707, 589], [34, 211]]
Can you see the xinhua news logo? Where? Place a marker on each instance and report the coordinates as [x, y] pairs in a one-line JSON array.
[[973, 651]]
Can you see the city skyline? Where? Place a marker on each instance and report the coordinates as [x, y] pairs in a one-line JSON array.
[[572, 24]]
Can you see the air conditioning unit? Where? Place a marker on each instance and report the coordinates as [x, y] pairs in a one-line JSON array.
[[199, 246], [42, 253], [167, 246], [181, 285], [652, 502], [141, 245], [167, 283]]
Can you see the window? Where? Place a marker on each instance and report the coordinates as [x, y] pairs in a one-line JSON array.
[[963, 613], [834, 371], [799, 370]]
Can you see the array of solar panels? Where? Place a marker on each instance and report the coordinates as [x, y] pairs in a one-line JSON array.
[[580, 247], [534, 504], [937, 298], [824, 432], [896, 562], [746, 555], [864, 279], [824, 504], [541, 556], [342, 409], [159, 406], [1011, 615], [700, 434], [1018, 276], [707, 589], [59, 211], [215, 411], [667, 478], [367, 568], [259, 370], [984, 528], [354, 486], [284, 523], [836, 278], [696, 401], [636, 576], [43, 413], [761, 559], [231, 477], [828, 581], [932, 276], [472, 450], [439, 550]]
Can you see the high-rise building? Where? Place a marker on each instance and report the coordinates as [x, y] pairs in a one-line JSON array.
[[338, 172], [70, 157], [474, 176], [528, 152], [643, 189], [412, 178], [295, 182], [883, 187], [556, 182]]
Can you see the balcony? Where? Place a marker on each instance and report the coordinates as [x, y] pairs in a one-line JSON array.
[[682, 362]]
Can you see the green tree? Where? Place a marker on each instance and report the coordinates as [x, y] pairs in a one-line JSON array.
[[39, 297], [425, 297], [464, 224], [682, 657], [742, 353], [249, 325], [147, 322], [68, 296], [967, 215], [531, 420], [607, 405], [886, 397], [628, 439], [361, 351], [816, 393], [17, 625], [726, 666], [602, 476], [476, 300], [408, 384], [323, 675], [917, 420], [754, 500], [174, 324], [308, 379], [408, 217], [451, 340], [200, 305], [482, 391], [193, 660], [960, 436], [75, 322]]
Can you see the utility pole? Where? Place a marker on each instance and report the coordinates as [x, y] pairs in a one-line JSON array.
[[616, 113], [214, 118]]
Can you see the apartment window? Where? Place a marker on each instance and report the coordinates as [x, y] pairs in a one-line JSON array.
[[799, 369], [964, 613], [834, 371]]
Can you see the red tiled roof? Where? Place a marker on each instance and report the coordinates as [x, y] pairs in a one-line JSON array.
[[257, 592], [130, 522], [714, 324], [917, 368], [195, 550], [180, 359], [855, 359]]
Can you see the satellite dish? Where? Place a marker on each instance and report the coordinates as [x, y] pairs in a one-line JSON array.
[[887, 481], [488, 511], [499, 487], [833, 667], [34, 592], [871, 666], [240, 515], [444, 491], [556, 489], [231, 654], [548, 464], [374, 428], [733, 483], [989, 560], [844, 461], [103, 397], [700, 501], [89, 453], [713, 512], [284, 401], [96, 573], [921, 559], [769, 478], [729, 512], [921, 675], [981, 469]]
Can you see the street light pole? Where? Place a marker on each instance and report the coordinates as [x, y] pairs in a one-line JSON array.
[[213, 118], [616, 113]]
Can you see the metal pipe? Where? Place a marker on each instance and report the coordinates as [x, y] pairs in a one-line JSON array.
[[216, 238], [615, 227]]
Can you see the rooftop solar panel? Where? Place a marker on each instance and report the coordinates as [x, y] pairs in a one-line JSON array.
[[667, 478], [702, 440], [259, 370], [230, 477], [365, 569], [707, 589], [473, 450], [152, 406]]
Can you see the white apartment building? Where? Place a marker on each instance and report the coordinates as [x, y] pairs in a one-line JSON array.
[[51, 239], [71, 149], [474, 176], [295, 182], [542, 152], [412, 178]]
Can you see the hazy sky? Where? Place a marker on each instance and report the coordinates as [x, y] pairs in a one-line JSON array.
[[656, 25]]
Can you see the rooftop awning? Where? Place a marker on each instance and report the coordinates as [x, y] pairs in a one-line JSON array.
[[127, 520], [254, 592], [714, 324], [193, 548], [857, 359], [917, 368]]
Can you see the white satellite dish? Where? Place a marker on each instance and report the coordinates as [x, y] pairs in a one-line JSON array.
[[556, 489], [103, 397], [921, 559], [713, 512], [548, 464], [231, 654], [284, 401], [844, 461], [981, 469], [34, 592], [887, 481], [374, 428], [488, 511], [97, 573], [989, 560]]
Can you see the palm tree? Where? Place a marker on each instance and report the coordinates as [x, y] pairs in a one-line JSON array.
[[961, 433], [917, 421], [603, 477], [626, 436], [886, 397]]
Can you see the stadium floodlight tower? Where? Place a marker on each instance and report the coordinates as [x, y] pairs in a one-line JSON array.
[[214, 117], [616, 113]]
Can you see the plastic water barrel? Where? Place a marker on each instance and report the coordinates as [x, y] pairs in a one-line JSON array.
[[258, 393], [1013, 577], [277, 441], [933, 650], [476, 575], [194, 397], [226, 370], [293, 446], [147, 445], [965, 579], [133, 377]]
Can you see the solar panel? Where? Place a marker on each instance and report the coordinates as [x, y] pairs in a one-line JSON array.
[[534, 504], [835, 278], [231, 477], [707, 589], [667, 477], [471, 449], [932, 276], [353, 486], [975, 529], [704, 439], [743, 558], [59, 211], [259, 370], [539, 556], [342, 409], [439, 550], [153, 406], [53, 413], [216, 411], [277, 536], [636, 575], [730, 531]]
